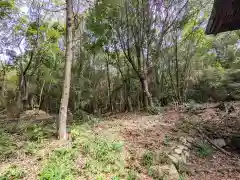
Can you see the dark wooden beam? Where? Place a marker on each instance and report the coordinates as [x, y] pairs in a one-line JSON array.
[[225, 16]]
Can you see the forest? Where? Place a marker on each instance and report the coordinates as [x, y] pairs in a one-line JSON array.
[[117, 89]]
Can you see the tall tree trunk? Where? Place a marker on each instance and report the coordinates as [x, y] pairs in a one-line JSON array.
[[62, 121], [178, 91], [128, 101], [147, 98], [109, 84]]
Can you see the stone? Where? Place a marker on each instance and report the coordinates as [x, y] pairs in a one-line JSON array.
[[219, 142], [186, 153], [168, 172], [33, 112], [189, 145], [183, 140], [178, 150], [184, 159], [190, 139], [182, 147], [175, 158]]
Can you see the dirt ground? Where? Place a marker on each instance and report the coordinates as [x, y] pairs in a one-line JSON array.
[[141, 132]]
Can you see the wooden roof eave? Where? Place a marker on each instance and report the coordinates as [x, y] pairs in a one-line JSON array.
[[225, 16]]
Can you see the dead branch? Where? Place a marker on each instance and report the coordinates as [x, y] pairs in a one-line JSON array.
[[210, 141]]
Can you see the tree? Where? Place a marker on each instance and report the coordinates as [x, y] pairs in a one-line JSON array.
[[62, 121]]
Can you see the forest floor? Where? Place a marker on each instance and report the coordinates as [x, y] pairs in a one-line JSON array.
[[126, 146]]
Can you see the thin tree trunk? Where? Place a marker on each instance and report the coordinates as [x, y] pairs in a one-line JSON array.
[[109, 84], [62, 131], [40, 95], [147, 98], [178, 91], [3, 85], [128, 101]]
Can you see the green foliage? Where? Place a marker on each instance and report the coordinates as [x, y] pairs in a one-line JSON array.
[[150, 158], [8, 147], [31, 148], [13, 173], [36, 133], [154, 174], [204, 150], [162, 158], [6, 6], [154, 110], [60, 165], [166, 140], [102, 155], [133, 175], [147, 159]]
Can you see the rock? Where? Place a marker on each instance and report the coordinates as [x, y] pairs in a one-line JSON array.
[[168, 172], [189, 145], [190, 139], [219, 142], [183, 140], [237, 163], [179, 149], [182, 147], [184, 159], [34, 112], [186, 154], [175, 158]]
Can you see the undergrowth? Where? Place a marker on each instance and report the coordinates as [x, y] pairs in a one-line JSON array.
[[8, 147], [102, 155], [133, 175], [89, 157], [150, 158], [13, 173], [60, 165], [204, 150], [21, 138]]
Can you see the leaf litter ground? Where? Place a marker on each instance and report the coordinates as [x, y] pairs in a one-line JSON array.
[[141, 132]]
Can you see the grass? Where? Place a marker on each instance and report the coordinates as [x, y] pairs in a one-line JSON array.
[[13, 173], [150, 158], [167, 140], [21, 138], [90, 157], [60, 165], [204, 150], [8, 146], [147, 158], [132, 175], [102, 155]]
